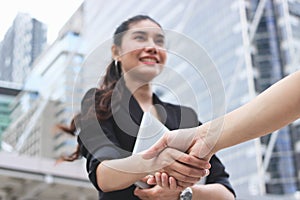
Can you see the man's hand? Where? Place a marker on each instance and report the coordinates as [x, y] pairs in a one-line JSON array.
[[187, 170], [192, 140]]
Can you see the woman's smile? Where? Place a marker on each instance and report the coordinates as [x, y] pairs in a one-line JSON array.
[[149, 60]]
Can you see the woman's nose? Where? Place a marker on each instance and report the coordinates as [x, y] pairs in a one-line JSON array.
[[151, 47]]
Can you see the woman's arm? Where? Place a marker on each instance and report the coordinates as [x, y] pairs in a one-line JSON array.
[[214, 191], [118, 174], [109, 178]]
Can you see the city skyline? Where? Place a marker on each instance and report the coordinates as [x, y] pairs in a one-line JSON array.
[[244, 45], [53, 13]]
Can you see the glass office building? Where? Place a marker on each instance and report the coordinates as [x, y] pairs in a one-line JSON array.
[[275, 47], [50, 97], [22, 44], [8, 92]]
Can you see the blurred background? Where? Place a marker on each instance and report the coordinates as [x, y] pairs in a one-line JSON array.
[[252, 43]]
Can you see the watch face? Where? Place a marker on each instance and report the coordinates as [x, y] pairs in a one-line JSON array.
[[186, 195]]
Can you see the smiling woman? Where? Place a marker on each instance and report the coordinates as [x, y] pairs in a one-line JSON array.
[[142, 48], [111, 115]]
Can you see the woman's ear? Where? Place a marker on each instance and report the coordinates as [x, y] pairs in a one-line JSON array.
[[114, 51]]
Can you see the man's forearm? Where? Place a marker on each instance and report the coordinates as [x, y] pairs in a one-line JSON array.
[[274, 108]]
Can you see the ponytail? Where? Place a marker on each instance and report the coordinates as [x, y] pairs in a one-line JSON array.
[[104, 93]]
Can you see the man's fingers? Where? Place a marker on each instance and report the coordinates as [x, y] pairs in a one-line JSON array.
[[194, 161], [184, 178], [184, 184]]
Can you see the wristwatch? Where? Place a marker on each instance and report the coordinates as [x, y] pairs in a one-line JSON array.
[[186, 194]]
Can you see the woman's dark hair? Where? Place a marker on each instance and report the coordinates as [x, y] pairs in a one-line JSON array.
[[113, 71], [104, 93]]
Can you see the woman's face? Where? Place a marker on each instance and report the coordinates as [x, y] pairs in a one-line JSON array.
[[142, 52]]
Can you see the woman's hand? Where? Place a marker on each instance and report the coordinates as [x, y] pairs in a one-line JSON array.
[[165, 188], [135, 167]]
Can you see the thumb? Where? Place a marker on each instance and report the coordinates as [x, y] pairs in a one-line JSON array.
[[155, 149]]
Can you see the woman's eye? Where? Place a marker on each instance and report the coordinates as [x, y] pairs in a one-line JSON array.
[[160, 42], [139, 37]]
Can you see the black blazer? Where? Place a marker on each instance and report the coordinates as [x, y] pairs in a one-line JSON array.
[[115, 137]]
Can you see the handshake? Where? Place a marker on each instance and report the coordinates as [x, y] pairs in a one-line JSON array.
[[165, 152], [258, 117], [181, 154]]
